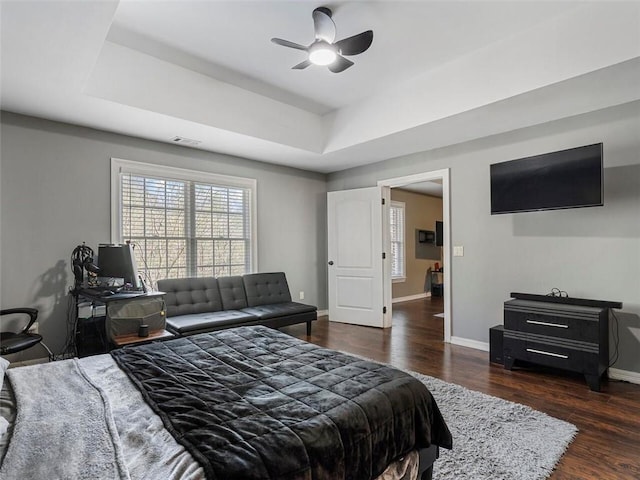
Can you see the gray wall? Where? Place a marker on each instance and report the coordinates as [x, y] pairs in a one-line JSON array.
[[55, 194], [590, 252]]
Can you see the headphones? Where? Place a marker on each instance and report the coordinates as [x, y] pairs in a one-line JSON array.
[[82, 258]]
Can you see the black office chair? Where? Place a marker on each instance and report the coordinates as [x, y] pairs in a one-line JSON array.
[[11, 342]]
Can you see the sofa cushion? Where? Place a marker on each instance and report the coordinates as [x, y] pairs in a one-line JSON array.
[[185, 296], [266, 288], [196, 305], [232, 293], [279, 310], [184, 324]]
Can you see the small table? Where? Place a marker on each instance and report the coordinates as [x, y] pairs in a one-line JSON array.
[[437, 286], [102, 341], [132, 338]]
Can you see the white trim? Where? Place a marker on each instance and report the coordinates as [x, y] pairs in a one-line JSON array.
[[387, 288], [119, 165], [398, 279], [323, 313], [116, 207], [443, 174], [408, 298], [467, 342], [624, 375], [142, 168], [614, 373]]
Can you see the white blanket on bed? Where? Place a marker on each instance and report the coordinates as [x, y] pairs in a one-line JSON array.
[[150, 451], [64, 429]]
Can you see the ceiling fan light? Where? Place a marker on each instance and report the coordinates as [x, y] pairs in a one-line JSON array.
[[322, 54]]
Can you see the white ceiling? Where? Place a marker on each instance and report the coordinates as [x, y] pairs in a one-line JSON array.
[[410, 38], [437, 73]]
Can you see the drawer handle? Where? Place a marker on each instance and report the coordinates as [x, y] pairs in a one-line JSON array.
[[533, 350], [547, 324]]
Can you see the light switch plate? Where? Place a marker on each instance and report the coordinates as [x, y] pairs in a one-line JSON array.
[[458, 251]]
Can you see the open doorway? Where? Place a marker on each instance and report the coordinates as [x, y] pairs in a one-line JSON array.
[[439, 274]]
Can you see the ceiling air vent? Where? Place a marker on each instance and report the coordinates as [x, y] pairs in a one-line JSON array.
[[186, 141]]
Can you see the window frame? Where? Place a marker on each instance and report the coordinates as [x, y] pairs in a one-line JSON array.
[[399, 205], [121, 166]]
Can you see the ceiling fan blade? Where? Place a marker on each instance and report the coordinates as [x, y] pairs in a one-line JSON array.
[[287, 43], [340, 65], [324, 27], [356, 44], [301, 65]]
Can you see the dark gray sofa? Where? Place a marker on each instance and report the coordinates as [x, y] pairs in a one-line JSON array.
[[204, 304]]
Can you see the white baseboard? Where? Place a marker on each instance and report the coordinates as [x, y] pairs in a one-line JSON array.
[[323, 313], [417, 296], [624, 375], [614, 373], [467, 342]]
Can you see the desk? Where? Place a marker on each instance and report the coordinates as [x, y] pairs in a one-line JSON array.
[[99, 332], [117, 297]]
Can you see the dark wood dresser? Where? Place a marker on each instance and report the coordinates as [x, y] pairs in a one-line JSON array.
[[571, 337]]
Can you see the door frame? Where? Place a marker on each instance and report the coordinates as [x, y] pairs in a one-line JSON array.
[[444, 175]]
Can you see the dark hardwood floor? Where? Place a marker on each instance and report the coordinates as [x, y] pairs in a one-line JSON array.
[[608, 443]]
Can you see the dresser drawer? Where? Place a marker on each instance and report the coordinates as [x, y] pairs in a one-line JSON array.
[[586, 330], [571, 336], [556, 355]]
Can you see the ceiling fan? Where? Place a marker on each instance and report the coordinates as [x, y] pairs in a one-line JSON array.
[[323, 50]]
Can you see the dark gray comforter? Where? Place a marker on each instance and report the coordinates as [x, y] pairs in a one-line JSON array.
[[255, 403]]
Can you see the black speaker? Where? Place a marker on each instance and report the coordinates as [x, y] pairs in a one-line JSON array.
[[439, 234], [496, 335]]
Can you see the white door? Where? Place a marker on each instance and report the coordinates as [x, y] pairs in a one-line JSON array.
[[355, 248]]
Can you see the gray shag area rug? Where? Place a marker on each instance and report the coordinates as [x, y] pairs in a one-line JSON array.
[[495, 439]]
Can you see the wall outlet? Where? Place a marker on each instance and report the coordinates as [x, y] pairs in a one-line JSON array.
[[34, 328], [458, 251], [301, 295]]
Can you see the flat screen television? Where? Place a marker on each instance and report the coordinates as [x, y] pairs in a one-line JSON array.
[[426, 236], [570, 178], [439, 233]]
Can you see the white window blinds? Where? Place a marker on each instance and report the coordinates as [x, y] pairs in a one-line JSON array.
[[396, 221], [185, 228]]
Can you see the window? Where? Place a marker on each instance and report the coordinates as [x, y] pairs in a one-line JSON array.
[[396, 221], [183, 223]]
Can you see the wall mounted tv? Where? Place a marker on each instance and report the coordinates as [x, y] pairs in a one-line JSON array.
[[566, 179]]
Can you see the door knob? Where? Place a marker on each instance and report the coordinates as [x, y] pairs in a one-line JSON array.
[[330, 262]]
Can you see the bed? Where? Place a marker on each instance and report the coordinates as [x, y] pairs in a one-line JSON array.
[[244, 403]]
